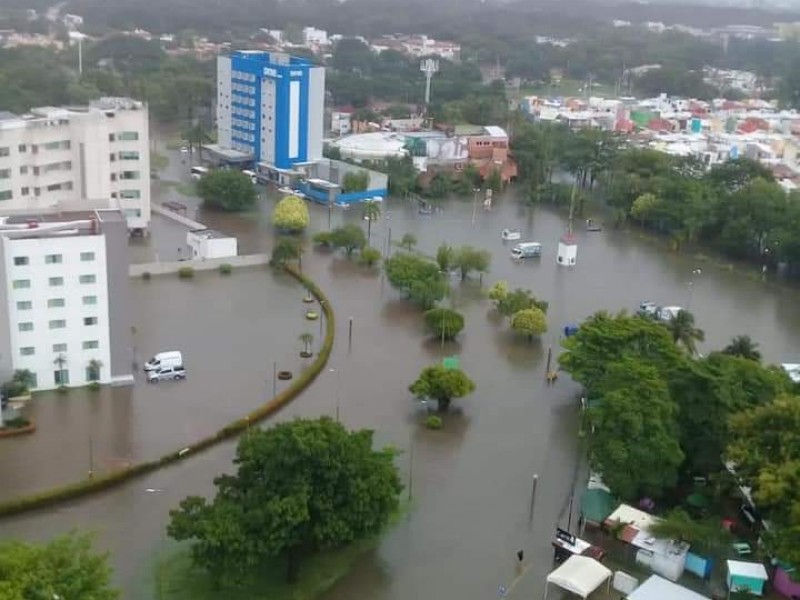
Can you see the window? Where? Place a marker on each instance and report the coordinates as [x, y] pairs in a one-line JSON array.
[[24, 305], [26, 326], [20, 261], [90, 320], [6, 195], [110, 137], [87, 278], [61, 145], [59, 348], [5, 173], [21, 284], [89, 300], [23, 170], [132, 213], [56, 281], [27, 351], [56, 303], [130, 194], [93, 371], [61, 377], [87, 256], [128, 136], [91, 345], [25, 191], [22, 148], [53, 259], [57, 324], [129, 175], [4, 151], [128, 155]]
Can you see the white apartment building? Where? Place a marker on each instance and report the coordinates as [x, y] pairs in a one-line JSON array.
[[56, 159], [64, 298]]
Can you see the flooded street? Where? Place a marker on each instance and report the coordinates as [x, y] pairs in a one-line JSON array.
[[471, 482]]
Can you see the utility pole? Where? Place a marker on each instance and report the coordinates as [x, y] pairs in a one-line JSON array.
[[533, 498]]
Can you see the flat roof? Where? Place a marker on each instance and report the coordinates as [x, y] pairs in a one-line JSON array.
[[209, 234], [658, 588], [742, 568]]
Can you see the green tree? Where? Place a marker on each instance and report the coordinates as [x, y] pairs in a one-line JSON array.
[[530, 322], [468, 259], [20, 384], [706, 536], [634, 437], [498, 291], [370, 256], [408, 241], [439, 186], [349, 237], [743, 346], [681, 328], [644, 207], [511, 303], [290, 214], [372, 212], [417, 277], [442, 384], [355, 181], [604, 339], [495, 181], [284, 250], [196, 135], [65, 568], [445, 257], [299, 488], [444, 323], [227, 190]]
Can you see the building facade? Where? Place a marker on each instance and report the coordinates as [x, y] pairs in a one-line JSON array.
[[64, 292], [270, 107], [56, 159]]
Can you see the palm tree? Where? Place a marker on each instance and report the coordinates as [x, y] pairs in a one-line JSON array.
[[743, 346], [93, 369], [307, 339], [372, 210], [683, 331], [196, 136], [408, 241]]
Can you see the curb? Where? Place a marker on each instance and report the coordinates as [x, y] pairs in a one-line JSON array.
[[86, 487]]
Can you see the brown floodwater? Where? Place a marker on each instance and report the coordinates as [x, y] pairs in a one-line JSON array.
[[472, 480]]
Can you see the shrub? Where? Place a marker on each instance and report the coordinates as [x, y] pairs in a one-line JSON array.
[[62, 389], [225, 269], [94, 386], [434, 422], [146, 275], [370, 256], [290, 214], [16, 423], [227, 190], [185, 272], [444, 322], [323, 238]]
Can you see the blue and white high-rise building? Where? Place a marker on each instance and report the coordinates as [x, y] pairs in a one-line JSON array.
[[270, 106]]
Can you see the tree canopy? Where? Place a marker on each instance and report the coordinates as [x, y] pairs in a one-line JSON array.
[[227, 190], [444, 323], [299, 487], [442, 384], [290, 214], [530, 322], [65, 568], [417, 277]]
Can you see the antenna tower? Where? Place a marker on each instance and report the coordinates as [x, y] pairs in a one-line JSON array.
[[428, 66]]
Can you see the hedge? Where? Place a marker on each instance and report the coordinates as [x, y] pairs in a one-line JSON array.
[[99, 483]]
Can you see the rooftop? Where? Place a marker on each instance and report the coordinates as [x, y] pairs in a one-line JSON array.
[[208, 234], [57, 224]]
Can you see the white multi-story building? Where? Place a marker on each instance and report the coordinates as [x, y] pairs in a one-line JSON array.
[[65, 315], [56, 159]]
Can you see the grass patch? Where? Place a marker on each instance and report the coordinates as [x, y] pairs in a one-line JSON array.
[[158, 162], [177, 579]]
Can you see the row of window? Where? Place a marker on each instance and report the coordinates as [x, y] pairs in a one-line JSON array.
[[56, 303], [240, 147], [127, 194], [27, 326], [245, 89], [52, 259], [23, 148], [243, 100], [61, 376], [65, 186], [24, 284], [248, 125], [123, 136], [243, 76], [60, 348], [243, 112], [125, 175]]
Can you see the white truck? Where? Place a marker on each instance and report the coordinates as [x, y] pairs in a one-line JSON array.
[[173, 358], [526, 250]]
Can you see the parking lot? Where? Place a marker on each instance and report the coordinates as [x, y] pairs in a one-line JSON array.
[[231, 331]]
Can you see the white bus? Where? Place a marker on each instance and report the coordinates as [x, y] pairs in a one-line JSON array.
[[198, 172]]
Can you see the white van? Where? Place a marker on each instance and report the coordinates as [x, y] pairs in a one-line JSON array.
[[172, 358], [251, 175], [526, 250]]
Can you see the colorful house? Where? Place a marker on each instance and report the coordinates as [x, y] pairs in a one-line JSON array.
[[749, 576]]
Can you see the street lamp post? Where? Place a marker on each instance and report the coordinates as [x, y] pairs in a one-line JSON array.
[[474, 204], [335, 372], [695, 272]]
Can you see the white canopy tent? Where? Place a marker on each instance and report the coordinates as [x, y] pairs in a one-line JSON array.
[[580, 575]]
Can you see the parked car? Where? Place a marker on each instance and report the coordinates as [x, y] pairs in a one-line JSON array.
[[173, 358], [166, 374]]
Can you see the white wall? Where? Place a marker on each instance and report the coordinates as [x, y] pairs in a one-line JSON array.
[[42, 338], [224, 101], [316, 112]]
